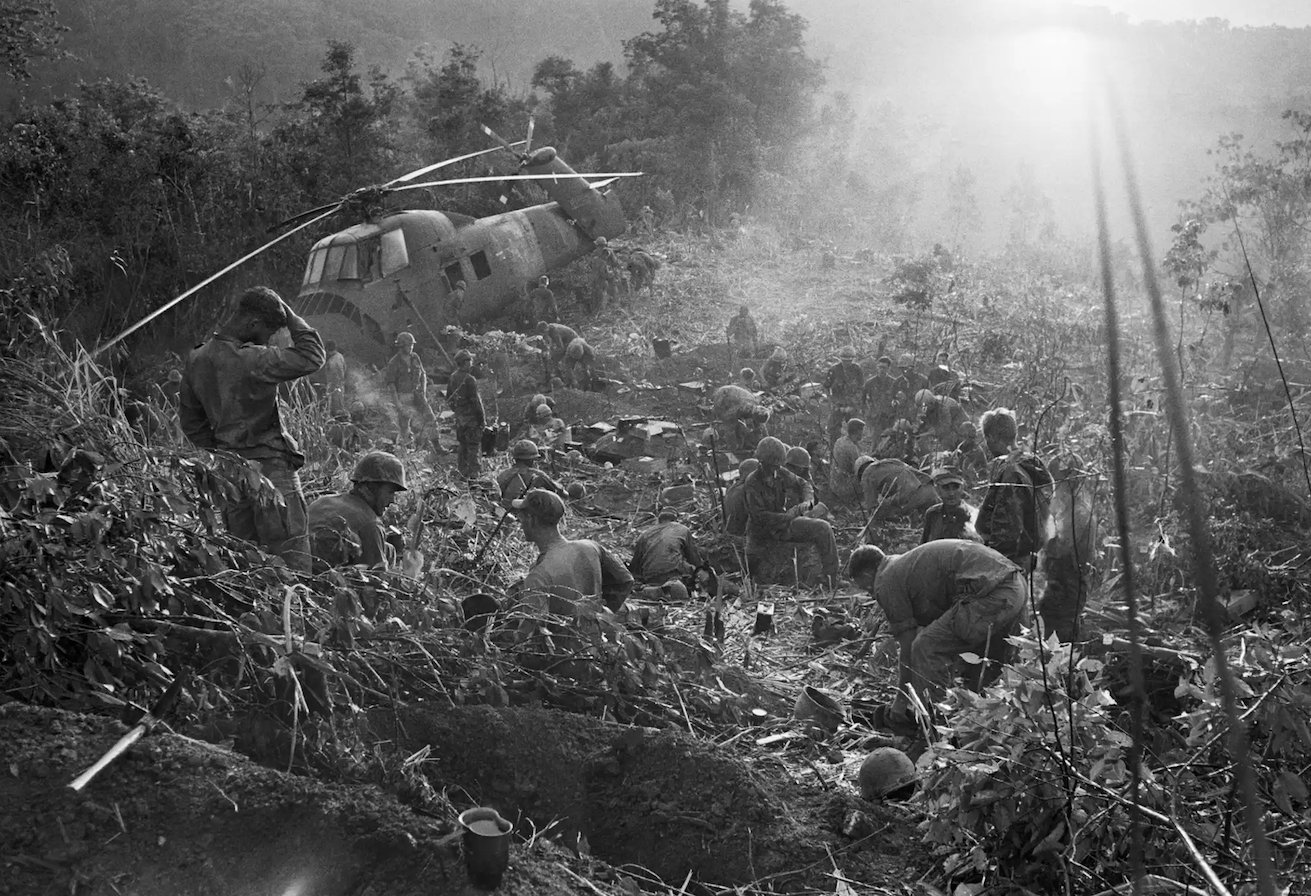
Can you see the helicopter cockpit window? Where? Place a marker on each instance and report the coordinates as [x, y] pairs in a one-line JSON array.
[[481, 268], [337, 263], [350, 267], [370, 259], [314, 269], [394, 254]]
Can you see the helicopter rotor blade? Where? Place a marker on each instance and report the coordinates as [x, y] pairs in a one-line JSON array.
[[504, 177], [202, 284], [301, 216], [405, 178], [505, 144]]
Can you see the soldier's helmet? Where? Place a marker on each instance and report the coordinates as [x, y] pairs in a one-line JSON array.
[[405, 339], [884, 773], [543, 413], [575, 351], [379, 466], [746, 468], [771, 452], [526, 449], [175, 375], [463, 355], [924, 396], [747, 374], [543, 280], [601, 242], [798, 457], [848, 353], [780, 353]]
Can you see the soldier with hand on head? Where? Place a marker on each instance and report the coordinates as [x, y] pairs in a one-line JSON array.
[[228, 401]]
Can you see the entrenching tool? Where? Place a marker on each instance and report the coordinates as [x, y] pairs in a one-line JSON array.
[[148, 721]]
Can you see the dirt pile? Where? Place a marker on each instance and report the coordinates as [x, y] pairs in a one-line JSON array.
[[175, 816]]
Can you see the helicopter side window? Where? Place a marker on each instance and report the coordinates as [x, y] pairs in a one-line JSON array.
[[481, 269], [394, 254], [332, 267], [453, 274], [350, 268]]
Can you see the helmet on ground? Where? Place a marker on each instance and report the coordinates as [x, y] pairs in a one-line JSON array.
[[543, 412], [525, 449], [884, 772], [379, 466], [405, 339], [463, 355], [575, 350], [797, 457], [924, 396], [771, 452], [575, 490], [847, 354]]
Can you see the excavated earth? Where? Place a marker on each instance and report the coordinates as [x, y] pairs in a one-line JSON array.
[[613, 805]]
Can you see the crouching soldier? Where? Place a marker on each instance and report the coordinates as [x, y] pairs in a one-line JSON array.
[[941, 599], [346, 529], [771, 520], [516, 481], [663, 555]]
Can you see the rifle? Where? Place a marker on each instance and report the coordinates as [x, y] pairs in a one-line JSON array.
[[719, 483]]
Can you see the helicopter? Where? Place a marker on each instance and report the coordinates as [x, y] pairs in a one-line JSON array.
[[395, 271]]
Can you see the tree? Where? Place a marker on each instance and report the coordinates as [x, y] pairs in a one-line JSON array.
[[29, 30]]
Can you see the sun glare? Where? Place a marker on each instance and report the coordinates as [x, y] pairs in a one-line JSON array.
[[1054, 64]]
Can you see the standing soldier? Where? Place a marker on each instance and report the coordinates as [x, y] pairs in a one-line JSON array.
[[942, 379], [462, 395], [228, 401], [1014, 515], [743, 334], [912, 381], [407, 383], [879, 397], [542, 300], [844, 381], [455, 304]]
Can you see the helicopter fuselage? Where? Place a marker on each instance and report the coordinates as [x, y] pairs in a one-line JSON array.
[[365, 284]]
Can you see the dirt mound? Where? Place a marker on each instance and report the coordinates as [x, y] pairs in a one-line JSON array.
[[175, 816], [657, 799]]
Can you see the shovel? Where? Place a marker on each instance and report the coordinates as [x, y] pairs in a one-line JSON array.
[[148, 721]]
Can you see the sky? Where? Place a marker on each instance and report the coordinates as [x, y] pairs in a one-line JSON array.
[[1291, 13]]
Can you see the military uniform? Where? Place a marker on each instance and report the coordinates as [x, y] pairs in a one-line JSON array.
[[228, 401], [470, 419], [743, 335], [879, 397], [842, 475], [844, 382], [768, 521], [543, 304], [1013, 516], [579, 364], [407, 379], [663, 555], [558, 337], [514, 482], [943, 521], [345, 531]]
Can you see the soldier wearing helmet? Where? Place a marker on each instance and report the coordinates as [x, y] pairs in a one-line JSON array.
[[942, 379], [346, 529], [879, 399], [455, 304], [735, 501], [470, 418], [742, 333], [542, 301], [515, 481], [942, 422], [740, 418], [407, 385], [228, 400], [942, 599], [558, 338], [774, 367], [845, 381], [579, 365], [547, 430], [797, 462], [771, 520]]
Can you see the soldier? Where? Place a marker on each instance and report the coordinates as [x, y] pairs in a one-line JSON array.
[[228, 401], [943, 419], [407, 383], [746, 378], [1013, 518], [605, 274], [566, 571], [912, 381], [522, 476], [739, 412], [547, 430], [346, 529], [735, 501], [455, 304], [463, 398], [797, 462], [558, 338], [641, 267], [845, 382], [879, 399], [770, 520], [950, 517], [171, 388], [942, 379], [542, 301], [663, 555], [941, 599], [580, 365], [842, 476], [743, 334], [774, 366]]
